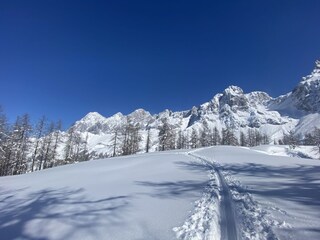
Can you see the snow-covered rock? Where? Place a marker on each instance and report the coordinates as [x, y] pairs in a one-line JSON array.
[[298, 110]]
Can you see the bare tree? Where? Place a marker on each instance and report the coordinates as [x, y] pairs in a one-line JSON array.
[[38, 134], [194, 139], [215, 137], [4, 144], [148, 140], [166, 136], [316, 135], [205, 135], [228, 137], [132, 138], [243, 139], [21, 140]]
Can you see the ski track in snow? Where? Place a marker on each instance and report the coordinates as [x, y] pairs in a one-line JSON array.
[[226, 210], [203, 224], [228, 226]]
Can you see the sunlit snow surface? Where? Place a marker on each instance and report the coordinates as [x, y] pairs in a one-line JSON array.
[[165, 195]]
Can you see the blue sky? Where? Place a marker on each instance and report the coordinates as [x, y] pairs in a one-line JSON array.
[[66, 58]]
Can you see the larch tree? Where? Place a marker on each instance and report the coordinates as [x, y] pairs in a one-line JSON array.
[[38, 134], [166, 136]]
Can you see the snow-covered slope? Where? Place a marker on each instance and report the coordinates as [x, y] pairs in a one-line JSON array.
[[136, 197], [211, 193], [275, 197], [297, 111]]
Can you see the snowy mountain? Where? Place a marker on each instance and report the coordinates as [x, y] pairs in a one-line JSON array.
[[298, 111]]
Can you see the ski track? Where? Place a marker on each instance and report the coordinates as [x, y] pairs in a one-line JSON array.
[[228, 226], [226, 211]]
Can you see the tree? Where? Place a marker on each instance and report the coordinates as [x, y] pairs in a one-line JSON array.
[[148, 141], [38, 134], [21, 141], [290, 139], [132, 138], [243, 139], [316, 135], [182, 141], [56, 142], [194, 139], [48, 147], [265, 139], [69, 146], [205, 135], [228, 137], [116, 139], [309, 139], [4, 144], [258, 137], [251, 137], [166, 136], [215, 137]]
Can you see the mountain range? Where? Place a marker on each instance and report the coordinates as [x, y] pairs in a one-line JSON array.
[[297, 111]]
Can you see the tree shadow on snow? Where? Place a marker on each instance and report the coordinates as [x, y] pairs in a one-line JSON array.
[[179, 189], [61, 212], [300, 183]]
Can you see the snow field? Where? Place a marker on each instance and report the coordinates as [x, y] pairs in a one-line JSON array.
[[275, 197], [194, 195]]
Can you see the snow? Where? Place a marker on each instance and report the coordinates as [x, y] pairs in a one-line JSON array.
[[285, 150], [276, 197], [308, 123], [135, 197], [207, 193]]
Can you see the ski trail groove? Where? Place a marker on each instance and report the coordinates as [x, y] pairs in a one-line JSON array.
[[228, 226]]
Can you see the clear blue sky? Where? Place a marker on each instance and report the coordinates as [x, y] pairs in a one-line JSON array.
[[66, 58]]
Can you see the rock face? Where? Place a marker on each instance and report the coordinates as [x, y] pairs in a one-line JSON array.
[[232, 108]]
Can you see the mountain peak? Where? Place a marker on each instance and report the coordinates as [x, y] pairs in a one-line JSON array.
[[93, 116], [233, 90], [315, 74], [317, 68]]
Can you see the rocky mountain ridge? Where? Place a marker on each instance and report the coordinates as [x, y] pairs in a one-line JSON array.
[[298, 111]]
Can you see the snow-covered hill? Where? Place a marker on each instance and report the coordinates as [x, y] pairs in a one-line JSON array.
[[212, 193], [297, 111]]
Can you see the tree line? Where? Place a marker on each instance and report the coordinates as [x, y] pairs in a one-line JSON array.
[[26, 147], [309, 139], [206, 136], [17, 140]]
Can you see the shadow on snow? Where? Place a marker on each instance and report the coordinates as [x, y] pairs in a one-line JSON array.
[[62, 211], [301, 183], [179, 189]]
